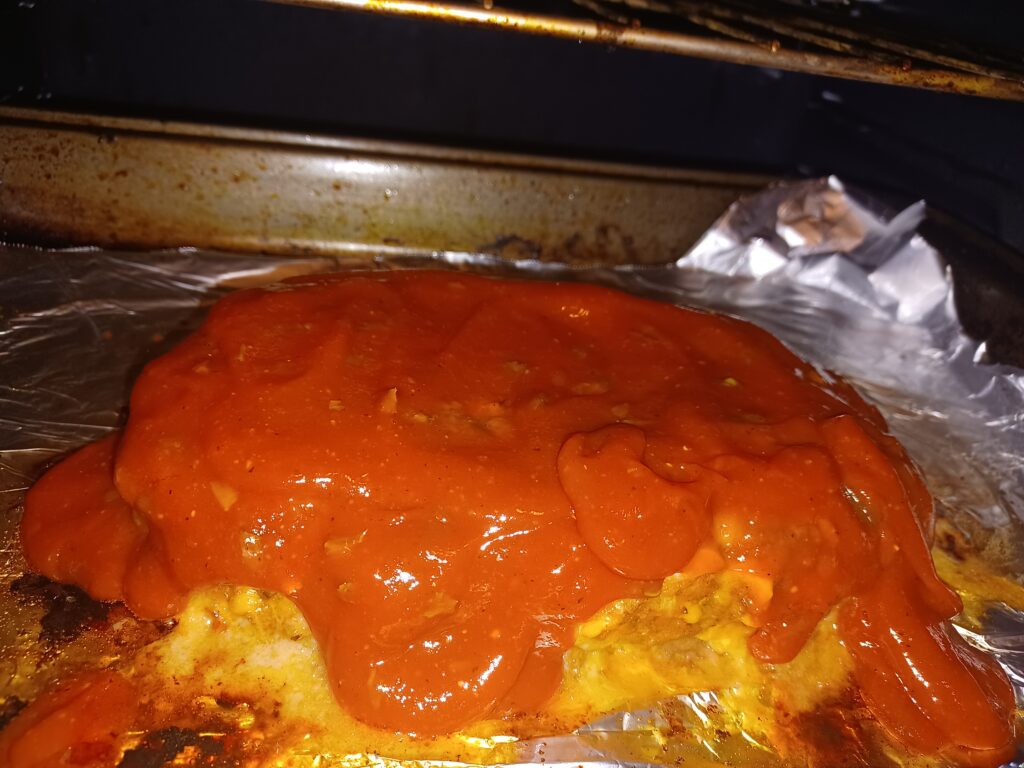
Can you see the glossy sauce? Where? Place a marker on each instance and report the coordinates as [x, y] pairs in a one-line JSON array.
[[448, 473], [77, 723]]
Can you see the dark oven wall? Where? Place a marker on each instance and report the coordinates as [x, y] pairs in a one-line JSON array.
[[258, 63]]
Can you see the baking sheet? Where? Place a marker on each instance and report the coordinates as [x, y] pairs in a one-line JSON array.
[[846, 284]]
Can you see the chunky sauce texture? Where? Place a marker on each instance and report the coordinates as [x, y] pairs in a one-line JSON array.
[[447, 474]]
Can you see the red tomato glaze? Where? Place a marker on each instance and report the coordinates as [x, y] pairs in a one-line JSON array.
[[77, 723], [448, 473]]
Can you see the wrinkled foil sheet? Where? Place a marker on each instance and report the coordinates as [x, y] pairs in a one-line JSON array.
[[846, 284]]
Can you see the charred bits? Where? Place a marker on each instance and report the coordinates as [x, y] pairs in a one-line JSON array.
[[68, 611]]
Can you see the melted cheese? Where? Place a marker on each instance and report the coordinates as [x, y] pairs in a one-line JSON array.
[[255, 646]]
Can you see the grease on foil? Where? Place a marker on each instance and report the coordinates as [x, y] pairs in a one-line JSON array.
[[845, 284]]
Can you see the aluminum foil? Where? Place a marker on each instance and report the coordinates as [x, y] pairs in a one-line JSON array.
[[846, 284]]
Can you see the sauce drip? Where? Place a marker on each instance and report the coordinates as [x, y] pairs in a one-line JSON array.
[[448, 473], [77, 723]]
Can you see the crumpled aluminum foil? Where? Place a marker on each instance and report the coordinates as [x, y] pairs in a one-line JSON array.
[[847, 285]]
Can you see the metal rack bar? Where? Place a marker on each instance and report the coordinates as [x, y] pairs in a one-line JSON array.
[[719, 41]]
